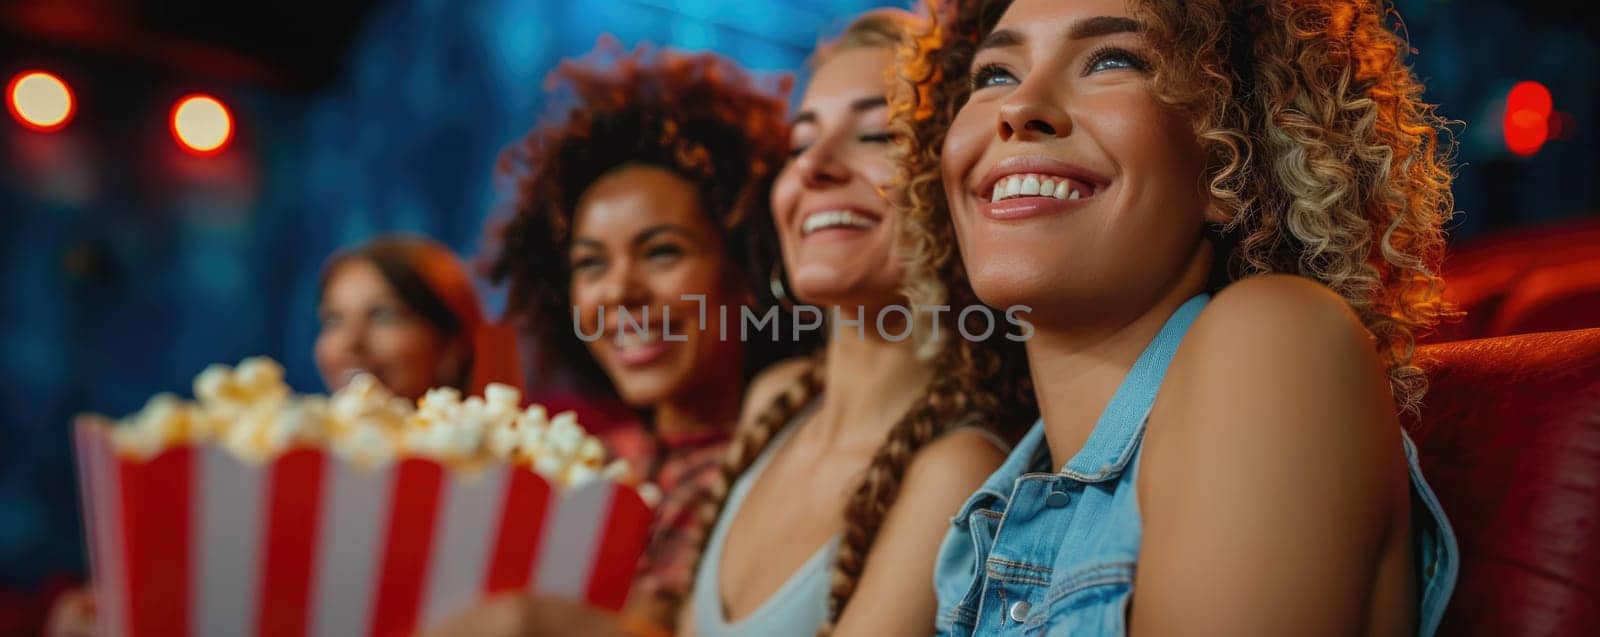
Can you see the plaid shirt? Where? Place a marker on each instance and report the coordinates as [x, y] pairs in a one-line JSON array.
[[687, 468]]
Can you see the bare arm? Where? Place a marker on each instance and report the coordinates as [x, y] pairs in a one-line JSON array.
[[895, 594], [1272, 473]]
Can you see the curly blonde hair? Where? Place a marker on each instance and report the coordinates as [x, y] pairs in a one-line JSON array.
[[1321, 152]]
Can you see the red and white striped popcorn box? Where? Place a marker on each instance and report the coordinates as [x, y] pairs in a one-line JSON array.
[[195, 542]]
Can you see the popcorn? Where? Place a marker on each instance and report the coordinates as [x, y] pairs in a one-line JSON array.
[[249, 411]]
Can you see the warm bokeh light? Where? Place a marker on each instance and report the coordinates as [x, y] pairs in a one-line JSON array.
[[1527, 119], [201, 124], [1530, 96], [40, 101]]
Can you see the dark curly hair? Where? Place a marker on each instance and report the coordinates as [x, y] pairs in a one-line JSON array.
[[697, 115], [1322, 153]]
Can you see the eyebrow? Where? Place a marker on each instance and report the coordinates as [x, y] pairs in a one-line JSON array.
[[1081, 30], [661, 229], [860, 105], [648, 234]]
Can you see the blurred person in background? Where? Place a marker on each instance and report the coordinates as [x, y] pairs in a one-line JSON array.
[[645, 196], [399, 307]]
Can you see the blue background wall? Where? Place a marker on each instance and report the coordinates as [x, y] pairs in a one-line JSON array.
[[129, 266]]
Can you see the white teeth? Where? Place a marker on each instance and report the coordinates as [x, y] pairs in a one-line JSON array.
[[835, 219], [629, 338], [1034, 185], [1013, 186], [1030, 186]]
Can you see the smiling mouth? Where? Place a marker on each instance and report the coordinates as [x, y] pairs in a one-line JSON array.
[[832, 219], [1028, 185], [635, 348]]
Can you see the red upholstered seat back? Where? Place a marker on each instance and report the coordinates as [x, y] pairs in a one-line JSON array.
[[1486, 279], [1510, 441], [1552, 299]]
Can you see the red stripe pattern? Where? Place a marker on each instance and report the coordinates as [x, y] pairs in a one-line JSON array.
[[413, 505], [151, 537], [618, 555], [292, 516], [522, 524], [156, 506]]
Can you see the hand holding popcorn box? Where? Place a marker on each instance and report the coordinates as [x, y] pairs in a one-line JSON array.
[[256, 512]]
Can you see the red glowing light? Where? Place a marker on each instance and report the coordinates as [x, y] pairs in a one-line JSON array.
[[40, 101], [201, 124], [1531, 96], [1527, 118]]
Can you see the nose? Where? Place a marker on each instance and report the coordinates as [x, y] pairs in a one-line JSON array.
[[820, 167], [621, 286], [1032, 113], [345, 344]]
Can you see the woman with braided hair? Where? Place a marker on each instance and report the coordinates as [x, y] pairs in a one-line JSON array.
[[1226, 216], [847, 465]]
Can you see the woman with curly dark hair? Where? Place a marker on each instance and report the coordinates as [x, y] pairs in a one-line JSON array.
[[636, 212], [1112, 165]]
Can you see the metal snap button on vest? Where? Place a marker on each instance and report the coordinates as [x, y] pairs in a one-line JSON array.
[[1057, 499], [1019, 611]]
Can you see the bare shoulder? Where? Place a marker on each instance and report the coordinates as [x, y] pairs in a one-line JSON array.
[[770, 383], [1280, 361], [1280, 310], [1272, 469], [1273, 329], [953, 465]]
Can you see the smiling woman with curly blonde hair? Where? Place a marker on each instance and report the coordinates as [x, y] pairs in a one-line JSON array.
[[1112, 166]]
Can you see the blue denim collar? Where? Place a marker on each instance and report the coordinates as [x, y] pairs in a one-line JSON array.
[[1121, 426], [1116, 434]]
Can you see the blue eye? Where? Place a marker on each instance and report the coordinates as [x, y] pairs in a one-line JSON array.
[[991, 75], [1112, 58]]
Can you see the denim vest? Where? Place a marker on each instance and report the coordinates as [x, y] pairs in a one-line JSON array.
[[1035, 552]]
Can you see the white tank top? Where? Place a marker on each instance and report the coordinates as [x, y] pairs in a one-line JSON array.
[[800, 605]]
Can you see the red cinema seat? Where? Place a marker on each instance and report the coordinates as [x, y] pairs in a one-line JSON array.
[[496, 357], [1552, 299], [1510, 441], [1480, 275]]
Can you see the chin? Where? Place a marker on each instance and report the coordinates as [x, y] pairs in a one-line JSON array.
[[844, 290], [1007, 280], [641, 395], [648, 388]]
